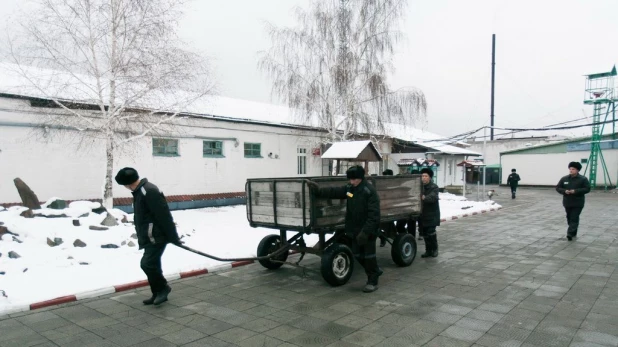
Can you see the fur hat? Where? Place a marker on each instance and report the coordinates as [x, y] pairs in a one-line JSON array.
[[355, 172], [127, 176], [513, 170], [576, 165], [427, 171], [387, 172]]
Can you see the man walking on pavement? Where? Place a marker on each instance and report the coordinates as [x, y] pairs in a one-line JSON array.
[[513, 181], [362, 220], [573, 188], [430, 217], [155, 228]]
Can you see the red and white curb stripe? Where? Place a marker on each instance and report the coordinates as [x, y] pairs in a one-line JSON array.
[[469, 214], [185, 274], [121, 288]]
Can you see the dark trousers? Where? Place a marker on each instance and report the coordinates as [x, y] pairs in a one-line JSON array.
[[366, 256], [572, 215], [151, 265], [513, 190], [409, 224], [431, 238]]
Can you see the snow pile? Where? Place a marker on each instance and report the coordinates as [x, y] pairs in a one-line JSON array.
[[50, 265]]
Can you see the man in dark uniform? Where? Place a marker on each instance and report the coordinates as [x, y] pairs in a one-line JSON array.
[[430, 217], [362, 220], [155, 228], [513, 182], [573, 188]]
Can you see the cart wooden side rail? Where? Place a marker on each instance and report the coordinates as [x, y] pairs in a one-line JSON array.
[[288, 204]]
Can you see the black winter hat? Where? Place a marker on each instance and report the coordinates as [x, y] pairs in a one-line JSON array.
[[513, 170], [355, 172], [575, 164], [387, 172], [127, 176], [427, 171]]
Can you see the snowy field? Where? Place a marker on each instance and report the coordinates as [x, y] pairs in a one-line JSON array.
[[41, 259]]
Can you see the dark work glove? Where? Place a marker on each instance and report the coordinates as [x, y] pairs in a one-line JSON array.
[[177, 242], [362, 238]]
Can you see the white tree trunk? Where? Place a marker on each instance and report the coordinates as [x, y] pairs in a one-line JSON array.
[[108, 197]]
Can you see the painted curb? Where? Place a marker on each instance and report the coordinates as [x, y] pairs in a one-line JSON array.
[[144, 283], [122, 287], [459, 216]]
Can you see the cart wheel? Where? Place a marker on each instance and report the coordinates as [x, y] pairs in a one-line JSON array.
[[403, 251], [270, 244], [337, 264]]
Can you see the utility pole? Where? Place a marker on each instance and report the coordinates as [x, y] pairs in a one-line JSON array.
[[485, 157], [493, 81]]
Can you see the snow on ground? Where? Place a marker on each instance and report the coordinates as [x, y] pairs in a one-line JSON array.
[[43, 272]]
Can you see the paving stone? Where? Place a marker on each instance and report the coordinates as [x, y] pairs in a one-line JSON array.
[[442, 341], [460, 333], [596, 337], [260, 341], [525, 288], [485, 315], [362, 338], [474, 324], [285, 332], [183, 336], [489, 340]]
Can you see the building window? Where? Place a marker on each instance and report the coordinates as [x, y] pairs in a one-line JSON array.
[[301, 161], [253, 150], [213, 149], [165, 147]]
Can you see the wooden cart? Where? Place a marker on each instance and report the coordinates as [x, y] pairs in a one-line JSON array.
[[287, 204]]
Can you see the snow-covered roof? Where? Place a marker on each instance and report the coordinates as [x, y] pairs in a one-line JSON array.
[[418, 162], [349, 150], [434, 142], [80, 88], [471, 163]]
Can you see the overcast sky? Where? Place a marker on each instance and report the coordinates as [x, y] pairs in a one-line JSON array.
[[543, 49]]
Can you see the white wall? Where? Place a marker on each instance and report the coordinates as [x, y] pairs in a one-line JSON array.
[[58, 167], [547, 169], [493, 148], [448, 171]]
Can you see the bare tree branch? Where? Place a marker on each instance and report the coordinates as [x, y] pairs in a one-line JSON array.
[[332, 67], [124, 56]]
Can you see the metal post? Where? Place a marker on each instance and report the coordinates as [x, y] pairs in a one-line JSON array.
[[478, 188], [464, 178], [493, 79], [485, 157]]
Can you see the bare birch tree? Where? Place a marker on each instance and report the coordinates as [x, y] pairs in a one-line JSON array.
[[120, 71], [333, 67]]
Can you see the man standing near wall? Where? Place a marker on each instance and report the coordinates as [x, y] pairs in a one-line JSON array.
[[513, 181], [573, 188], [430, 217], [155, 228]]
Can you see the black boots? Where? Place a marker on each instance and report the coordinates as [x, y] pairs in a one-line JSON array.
[[372, 282], [431, 246], [151, 300], [162, 296], [158, 298]]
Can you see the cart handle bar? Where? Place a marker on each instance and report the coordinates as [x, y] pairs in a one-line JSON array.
[[264, 257]]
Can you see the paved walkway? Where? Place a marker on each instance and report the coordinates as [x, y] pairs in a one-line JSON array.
[[502, 279]]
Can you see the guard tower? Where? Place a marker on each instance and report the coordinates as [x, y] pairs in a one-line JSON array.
[[600, 92]]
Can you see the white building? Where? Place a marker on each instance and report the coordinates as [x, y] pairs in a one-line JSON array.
[[544, 165], [493, 148], [204, 160]]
